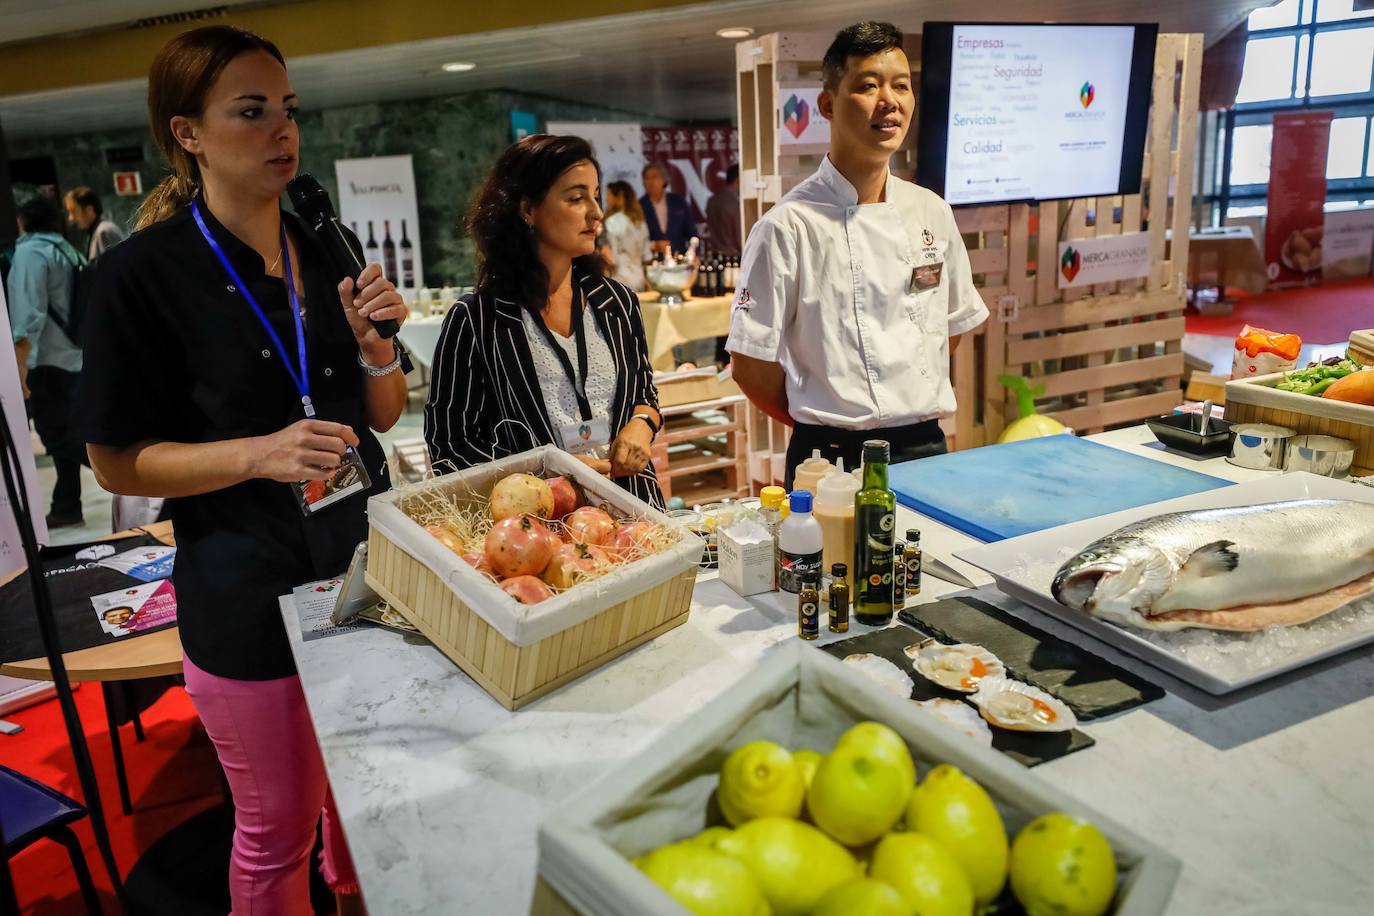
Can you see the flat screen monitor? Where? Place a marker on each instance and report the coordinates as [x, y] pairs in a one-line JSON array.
[[1025, 112]]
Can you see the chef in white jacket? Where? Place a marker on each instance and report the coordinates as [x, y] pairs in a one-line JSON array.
[[855, 288]]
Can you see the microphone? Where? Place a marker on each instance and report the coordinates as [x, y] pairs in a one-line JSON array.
[[313, 205]]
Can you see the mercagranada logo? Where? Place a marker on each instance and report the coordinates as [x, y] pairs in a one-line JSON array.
[[1086, 94], [1070, 264]]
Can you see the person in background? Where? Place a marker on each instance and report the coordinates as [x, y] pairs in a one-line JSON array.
[[85, 212], [855, 288], [627, 236], [40, 288], [230, 371], [723, 216], [669, 216], [547, 350]]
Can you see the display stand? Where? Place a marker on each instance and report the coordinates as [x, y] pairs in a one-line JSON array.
[[1107, 355]]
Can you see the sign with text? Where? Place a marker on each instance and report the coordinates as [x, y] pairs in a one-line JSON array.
[[128, 184], [1084, 262], [377, 201], [1297, 195], [618, 147], [696, 159], [1347, 243], [799, 117]]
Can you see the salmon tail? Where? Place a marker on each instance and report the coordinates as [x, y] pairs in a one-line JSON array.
[[1259, 616]]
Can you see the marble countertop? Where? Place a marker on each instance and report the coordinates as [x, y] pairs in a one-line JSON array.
[[1265, 796]]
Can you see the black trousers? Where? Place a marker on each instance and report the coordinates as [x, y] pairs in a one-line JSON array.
[[918, 440], [51, 402]]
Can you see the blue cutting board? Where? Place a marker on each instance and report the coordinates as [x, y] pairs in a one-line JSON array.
[[1001, 491]]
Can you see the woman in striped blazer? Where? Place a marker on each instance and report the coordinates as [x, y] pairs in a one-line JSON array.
[[508, 372]]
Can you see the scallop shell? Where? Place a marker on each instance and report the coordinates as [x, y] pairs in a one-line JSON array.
[[959, 667], [1020, 707], [884, 672], [960, 715]]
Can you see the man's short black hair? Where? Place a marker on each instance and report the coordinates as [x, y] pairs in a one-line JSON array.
[[86, 197], [732, 173], [863, 39], [39, 214]]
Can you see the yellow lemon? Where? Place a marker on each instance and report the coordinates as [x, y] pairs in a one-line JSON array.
[[927, 875], [953, 809], [861, 788], [794, 863], [705, 882], [806, 761], [708, 838], [760, 780], [862, 897], [1062, 865]]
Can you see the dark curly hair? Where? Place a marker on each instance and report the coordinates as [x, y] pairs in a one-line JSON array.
[[508, 262]]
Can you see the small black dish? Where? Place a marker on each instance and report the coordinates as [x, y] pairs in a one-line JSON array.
[[1181, 431]]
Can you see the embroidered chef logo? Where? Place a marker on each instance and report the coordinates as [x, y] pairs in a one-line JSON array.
[[796, 115], [927, 238], [1086, 94], [744, 302], [1070, 264]]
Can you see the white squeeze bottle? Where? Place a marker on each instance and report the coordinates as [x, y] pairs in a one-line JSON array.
[[799, 544], [834, 509], [810, 471]]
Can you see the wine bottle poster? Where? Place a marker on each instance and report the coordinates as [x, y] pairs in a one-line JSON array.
[[377, 200]]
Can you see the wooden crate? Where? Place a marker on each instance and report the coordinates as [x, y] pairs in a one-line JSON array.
[[1108, 355], [1256, 400], [516, 674]]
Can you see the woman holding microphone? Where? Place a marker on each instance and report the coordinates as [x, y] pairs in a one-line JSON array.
[[229, 372]]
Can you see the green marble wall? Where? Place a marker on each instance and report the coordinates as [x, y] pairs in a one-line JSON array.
[[453, 139]]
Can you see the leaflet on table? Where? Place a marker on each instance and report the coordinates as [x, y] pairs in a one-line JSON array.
[[146, 564], [314, 603], [137, 609]]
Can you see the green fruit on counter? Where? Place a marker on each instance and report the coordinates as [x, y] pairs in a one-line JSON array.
[[954, 810], [861, 788], [929, 878], [794, 863], [760, 780], [1064, 866], [709, 837], [806, 761], [705, 882], [862, 897]]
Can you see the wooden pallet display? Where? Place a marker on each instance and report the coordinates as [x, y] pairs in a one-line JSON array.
[[707, 450]]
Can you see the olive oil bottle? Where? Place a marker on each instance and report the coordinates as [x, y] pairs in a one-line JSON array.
[[875, 517]]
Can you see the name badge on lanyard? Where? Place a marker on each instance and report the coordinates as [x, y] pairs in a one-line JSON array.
[[588, 433], [351, 477]]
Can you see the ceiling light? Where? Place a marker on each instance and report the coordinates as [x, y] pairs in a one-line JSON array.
[[735, 32], [458, 66]]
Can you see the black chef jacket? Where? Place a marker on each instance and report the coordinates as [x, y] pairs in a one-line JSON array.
[[175, 353]]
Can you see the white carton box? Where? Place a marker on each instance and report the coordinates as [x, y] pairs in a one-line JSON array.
[[746, 566]]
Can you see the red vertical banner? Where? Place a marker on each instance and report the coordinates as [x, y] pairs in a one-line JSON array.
[[1297, 197], [695, 158]]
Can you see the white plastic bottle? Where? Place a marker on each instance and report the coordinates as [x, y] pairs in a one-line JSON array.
[[834, 509], [799, 544], [810, 471]]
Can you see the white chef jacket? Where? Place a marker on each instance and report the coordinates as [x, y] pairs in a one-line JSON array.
[[827, 289]]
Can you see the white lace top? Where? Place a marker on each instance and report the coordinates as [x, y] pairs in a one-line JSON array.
[[560, 400]]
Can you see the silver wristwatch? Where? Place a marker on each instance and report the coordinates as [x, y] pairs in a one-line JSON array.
[[379, 371]]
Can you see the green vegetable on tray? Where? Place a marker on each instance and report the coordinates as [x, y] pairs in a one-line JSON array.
[[1317, 378]]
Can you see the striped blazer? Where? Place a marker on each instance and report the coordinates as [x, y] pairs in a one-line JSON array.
[[485, 401]]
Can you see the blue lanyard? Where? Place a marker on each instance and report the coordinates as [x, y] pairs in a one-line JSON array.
[[302, 381]]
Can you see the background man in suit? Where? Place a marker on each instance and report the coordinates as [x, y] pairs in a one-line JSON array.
[[668, 215]]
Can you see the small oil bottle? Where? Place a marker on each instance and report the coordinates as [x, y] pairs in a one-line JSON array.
[[898, 575], [809, 606], [839, 598], [911, 561]]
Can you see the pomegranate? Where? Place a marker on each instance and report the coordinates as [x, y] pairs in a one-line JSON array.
[[590, 525], [566, 496], [571, 563], [526, 589], [628, 539], [478, 561], [521, 494], [446, 537], [548, 534], [518, 547]]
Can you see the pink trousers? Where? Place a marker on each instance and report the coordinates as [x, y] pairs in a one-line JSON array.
[[266, 744]]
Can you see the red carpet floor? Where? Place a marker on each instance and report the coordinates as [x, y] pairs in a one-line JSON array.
[[1318, 314], [172, 776]]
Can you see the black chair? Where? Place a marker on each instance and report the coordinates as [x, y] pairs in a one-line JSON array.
[[34, 812]]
